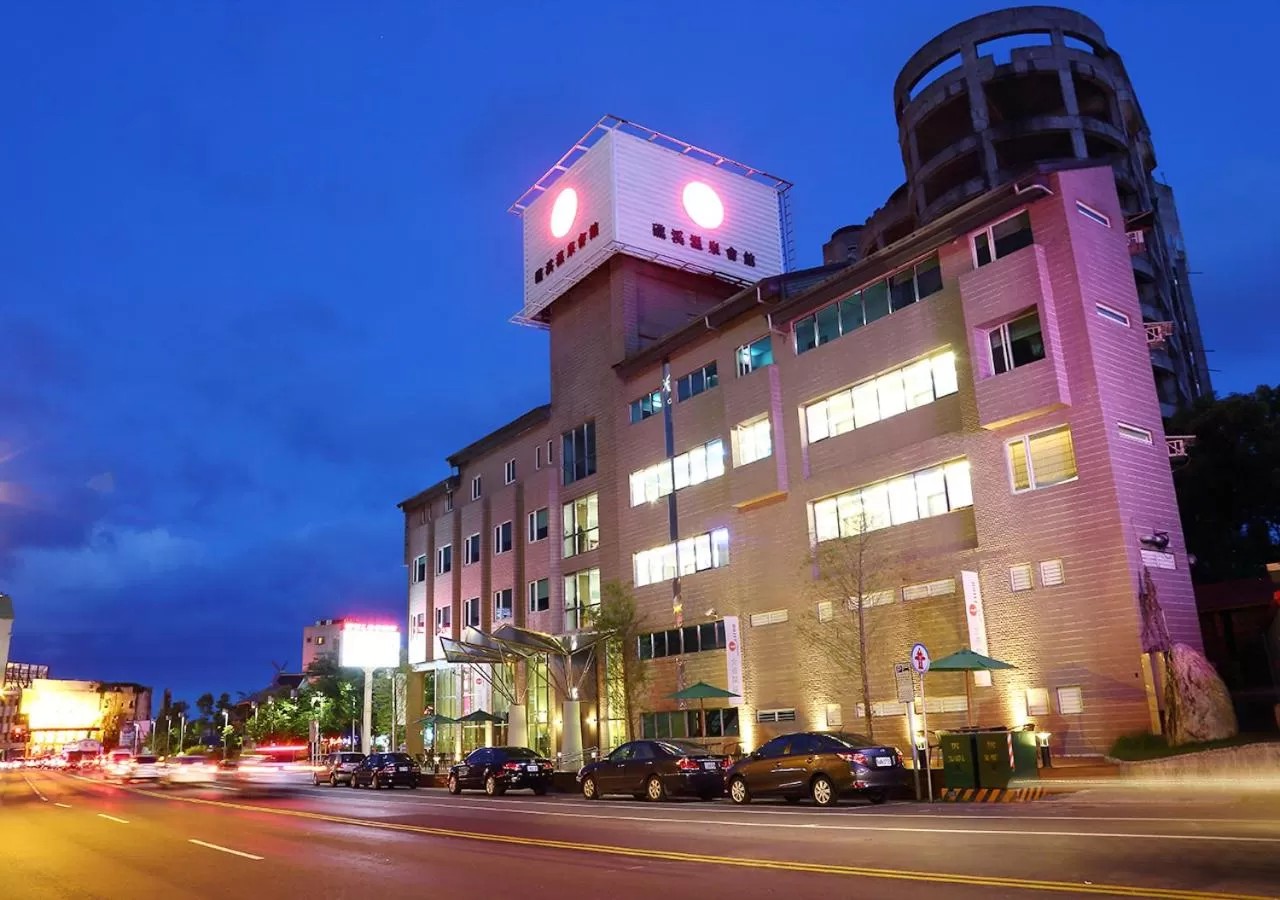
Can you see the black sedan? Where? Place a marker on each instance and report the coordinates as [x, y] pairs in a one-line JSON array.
[[379, 770], [821, 766], [655, 770], [496, 770]]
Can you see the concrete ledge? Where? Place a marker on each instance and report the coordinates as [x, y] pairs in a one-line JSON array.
[[1248, 760]]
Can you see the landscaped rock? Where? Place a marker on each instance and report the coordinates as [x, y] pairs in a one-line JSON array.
[[1205, 712]]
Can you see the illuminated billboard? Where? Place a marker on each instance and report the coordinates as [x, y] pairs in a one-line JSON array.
[[626, 189], [369, 646]]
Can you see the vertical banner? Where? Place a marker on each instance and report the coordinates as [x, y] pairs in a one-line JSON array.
[[733, 659], [977, 622]]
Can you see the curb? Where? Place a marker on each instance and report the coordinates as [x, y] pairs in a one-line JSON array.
[[991, 795]]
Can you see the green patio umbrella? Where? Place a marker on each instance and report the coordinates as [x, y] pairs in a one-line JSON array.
[[967, 661], [701, 691], [437, 719], [480, 716]]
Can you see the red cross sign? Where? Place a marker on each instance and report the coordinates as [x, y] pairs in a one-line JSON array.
[[920, 658]]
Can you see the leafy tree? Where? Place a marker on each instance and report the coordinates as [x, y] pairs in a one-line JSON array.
[[204, 703], [626, 677], [1229, 486]]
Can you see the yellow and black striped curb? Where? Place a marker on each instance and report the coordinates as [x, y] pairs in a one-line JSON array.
[[992, 795]]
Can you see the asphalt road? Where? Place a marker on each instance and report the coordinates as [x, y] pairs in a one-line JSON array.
[[67, 836]]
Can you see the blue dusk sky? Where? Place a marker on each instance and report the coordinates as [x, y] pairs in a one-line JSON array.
[[237, 239]]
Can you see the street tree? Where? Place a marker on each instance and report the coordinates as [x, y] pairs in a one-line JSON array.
[[1229, 486], [839, 626], [626, 677]]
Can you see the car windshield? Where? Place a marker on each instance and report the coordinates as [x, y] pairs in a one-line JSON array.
[[856, 741], [681, 748], [350, 757], [519, 753], [398, 758]]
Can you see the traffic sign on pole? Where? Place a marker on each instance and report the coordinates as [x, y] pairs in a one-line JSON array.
[[905, 683], [920, 662], [920, 658]]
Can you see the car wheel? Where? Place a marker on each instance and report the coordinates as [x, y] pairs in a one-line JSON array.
[[738, 791], [654, 790], [491, 787], [823, 791], [354, 783], [315, 780], [589, 789], [333, 781], [454, 787], [540, 790], [377, 783], [877, 797]]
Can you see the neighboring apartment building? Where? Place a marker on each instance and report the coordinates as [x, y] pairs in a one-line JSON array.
[[13, 725], [980, 391], [324, 638]]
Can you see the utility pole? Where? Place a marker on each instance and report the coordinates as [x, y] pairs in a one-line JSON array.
[[366, 725]]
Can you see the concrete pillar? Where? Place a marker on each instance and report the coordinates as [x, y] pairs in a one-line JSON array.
[[488, 734], [571, 735], [414, 693], [366, 724], [518, 725]]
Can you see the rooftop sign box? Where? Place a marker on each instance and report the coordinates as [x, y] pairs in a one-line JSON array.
[[626, 189]]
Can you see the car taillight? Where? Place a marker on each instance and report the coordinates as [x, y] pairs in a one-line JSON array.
[[511, 766], [685, 764], [859, 758], [726, 763], [897, 755]]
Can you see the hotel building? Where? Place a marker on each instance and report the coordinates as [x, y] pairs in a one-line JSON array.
[[975, 401]]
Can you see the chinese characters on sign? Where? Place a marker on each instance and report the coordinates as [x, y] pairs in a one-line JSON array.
[[549, 267], [696, 242]]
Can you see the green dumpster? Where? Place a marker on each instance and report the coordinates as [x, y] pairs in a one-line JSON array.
[[959, 759], [1004, 756]]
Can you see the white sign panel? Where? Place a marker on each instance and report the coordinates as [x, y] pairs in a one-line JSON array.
[[977, 620], [733, 659], [367, 646], [638, 192]]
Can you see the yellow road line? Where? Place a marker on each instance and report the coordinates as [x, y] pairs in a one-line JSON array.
[[1114, 890]]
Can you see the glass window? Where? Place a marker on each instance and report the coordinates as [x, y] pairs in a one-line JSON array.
[[931, 492], [902, 500], [890, 393], [581, 525], [579, 456], [806, 334], [875, 301], [826, 524], [828, 324], [902, 290], [756, 355], [928, 277], [752, 441], [851, 316], [539, 595], [866, 404], [839, 409], [776, 747], [917, 382], [539, 524], [944, 374], [1012, 234], [959, 488], [502, 538], [1043, 459], [503, 605], [1016, 343]]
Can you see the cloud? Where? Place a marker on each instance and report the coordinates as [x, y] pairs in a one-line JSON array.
[[110, 559]]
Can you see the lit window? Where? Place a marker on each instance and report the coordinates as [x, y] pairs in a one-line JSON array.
[[756, 355], [581, 525], [502, 538], [928, 492], [694, 554], [503, 606], [999, 240], [509, 471], [1042, 460], [883, 396], [694, 467], [697, 382], [419, 569], [471, 550], [444, 559], [1037, 702], [539, 524], [752, 441], [648, 405], [475, 488], [1016, 343], [539, 594], [581, 596]]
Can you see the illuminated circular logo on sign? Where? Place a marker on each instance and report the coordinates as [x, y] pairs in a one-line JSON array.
[[703, 205], [563, 212]]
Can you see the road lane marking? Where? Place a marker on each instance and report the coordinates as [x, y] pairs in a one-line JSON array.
[[63, 805], [742, 862], [113, 818], [223, 849], [34, 788]]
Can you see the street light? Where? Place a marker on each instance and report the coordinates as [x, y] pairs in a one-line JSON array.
[[226, 724]]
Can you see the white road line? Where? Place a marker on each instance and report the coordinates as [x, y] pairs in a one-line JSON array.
[[730, 823], [113, 818], [223, 849], [34, 788], [63, 805]]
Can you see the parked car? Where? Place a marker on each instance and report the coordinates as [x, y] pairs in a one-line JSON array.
[[496, 770], [379, 770], [656, 770], [336, 768], [189, 769], [820, 765]]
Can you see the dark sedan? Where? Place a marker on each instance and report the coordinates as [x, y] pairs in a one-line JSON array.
[[820, 765], [656, 770], [496, 770], [386, 770]]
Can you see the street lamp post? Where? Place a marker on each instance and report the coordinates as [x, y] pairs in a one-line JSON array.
[[226, 724], [182, 732], [168, 736]]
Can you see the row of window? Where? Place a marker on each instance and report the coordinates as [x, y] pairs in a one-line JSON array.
[[917, 495], [869, 304], [695, 554], [883, 396], [687, 723], [696, 382], [581, 593], [693, 467], [679, 641]]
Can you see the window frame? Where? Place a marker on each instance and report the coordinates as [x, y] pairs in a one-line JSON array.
[[580, 538], [1135, 433], [418, 570], [444, 559], [1092, 214], [498, 535], [751, 426], [989, 233], [443, 618], [477, 488], [570, 465], [1029, 461], [1002, 330], [684, 386], [1113, 315], [743, 356], [510, 597], [469, 606], [509, 471], [532, 529], [533, 599], [470, 557]]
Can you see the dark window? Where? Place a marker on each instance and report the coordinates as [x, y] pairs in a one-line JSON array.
[[625, 752], [644, 750], [519, 753], [828, 324], [648, 405], [1005, 237], [851, 316], [875, 301], [539, 595], [776, 747], [1016, 343], [539, 522], [806, 334], [928, 277], [902, 290], [690, 638], [697, 382], [579, 457]]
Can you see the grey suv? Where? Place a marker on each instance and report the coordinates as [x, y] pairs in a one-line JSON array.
[[336, 768]]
